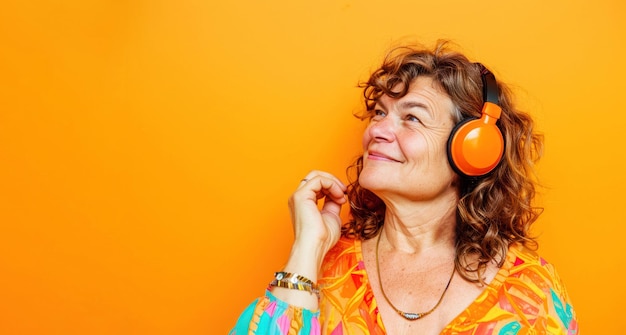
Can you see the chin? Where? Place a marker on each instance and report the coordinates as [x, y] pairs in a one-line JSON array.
[[373, 181]]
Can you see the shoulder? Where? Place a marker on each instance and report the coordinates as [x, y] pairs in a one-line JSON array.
[[525, 263], [528, 267], [342, 257], [534, 284]]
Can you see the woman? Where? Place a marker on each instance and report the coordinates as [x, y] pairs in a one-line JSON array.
[[438, 240]]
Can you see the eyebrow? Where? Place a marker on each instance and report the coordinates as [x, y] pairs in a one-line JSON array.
[[407, 105], [416, 104]]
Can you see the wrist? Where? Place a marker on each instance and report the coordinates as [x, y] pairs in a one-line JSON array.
[[303, 264], [305, 259], [294, 281]]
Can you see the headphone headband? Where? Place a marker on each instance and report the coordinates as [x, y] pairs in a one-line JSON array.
[[491, 92]]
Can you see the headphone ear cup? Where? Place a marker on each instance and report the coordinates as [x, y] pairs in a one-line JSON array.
[[475, 147]]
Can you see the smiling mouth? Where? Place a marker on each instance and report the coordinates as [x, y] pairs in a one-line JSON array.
[[380, 157]]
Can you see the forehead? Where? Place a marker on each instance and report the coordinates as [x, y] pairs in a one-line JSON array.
[[423, 92]]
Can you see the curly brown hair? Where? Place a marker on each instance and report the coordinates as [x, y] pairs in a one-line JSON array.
[[494, 211]]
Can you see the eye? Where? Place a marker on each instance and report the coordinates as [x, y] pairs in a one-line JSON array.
[[412, 118], [378, 114]]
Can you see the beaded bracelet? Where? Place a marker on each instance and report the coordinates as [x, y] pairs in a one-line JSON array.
[[294, 281]]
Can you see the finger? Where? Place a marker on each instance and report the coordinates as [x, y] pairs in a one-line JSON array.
[[320, 188], [319, 175], [330, 206], [332, 192]]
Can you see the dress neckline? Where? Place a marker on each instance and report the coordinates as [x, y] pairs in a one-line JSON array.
[[473, 311]]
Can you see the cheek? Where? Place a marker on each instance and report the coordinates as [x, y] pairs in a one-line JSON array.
[[432, 148]]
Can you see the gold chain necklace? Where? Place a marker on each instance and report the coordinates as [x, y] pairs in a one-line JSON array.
[[408, 316]]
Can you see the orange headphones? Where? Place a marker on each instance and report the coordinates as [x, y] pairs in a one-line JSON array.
[[476, 145]]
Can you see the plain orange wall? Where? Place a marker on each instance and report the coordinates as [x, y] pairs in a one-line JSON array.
[[147, 148]]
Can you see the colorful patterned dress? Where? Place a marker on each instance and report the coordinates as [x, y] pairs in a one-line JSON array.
[[525, 297]]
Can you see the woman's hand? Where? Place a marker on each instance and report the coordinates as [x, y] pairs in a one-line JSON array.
[[315, 226]]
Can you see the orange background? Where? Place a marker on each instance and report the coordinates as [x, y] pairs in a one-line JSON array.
[[147, 148]]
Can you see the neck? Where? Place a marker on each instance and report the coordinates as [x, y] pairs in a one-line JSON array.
[[415, 228]]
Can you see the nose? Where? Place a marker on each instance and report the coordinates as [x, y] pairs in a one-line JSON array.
[[382, 130]]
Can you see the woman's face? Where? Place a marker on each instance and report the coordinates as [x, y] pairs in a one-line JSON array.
[[405, 145]]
